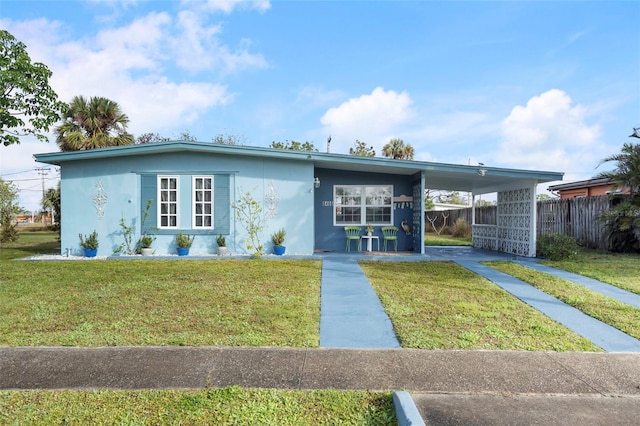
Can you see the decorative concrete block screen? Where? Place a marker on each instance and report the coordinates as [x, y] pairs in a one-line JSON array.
[[515, 230], [418, 205]]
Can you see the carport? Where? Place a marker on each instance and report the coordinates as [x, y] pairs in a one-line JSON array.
[[515, 229]]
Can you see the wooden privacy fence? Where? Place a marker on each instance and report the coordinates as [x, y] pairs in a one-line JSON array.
[[576, 217]]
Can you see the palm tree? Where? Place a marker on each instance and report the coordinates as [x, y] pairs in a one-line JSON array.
[[96, 123], [51, 201], [622, 220], [397, 150], [627, 171]]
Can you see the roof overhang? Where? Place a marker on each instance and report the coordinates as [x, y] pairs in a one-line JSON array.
[[454, 177], [581, 184]]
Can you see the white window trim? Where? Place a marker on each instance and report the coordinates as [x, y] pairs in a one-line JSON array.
[[363, 206], [159, 197], [193, 201]]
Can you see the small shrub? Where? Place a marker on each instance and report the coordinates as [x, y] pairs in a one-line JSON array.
[[184, 241], [461, 229], [221, 241], [278, 237], [556, 247], [90, 241]]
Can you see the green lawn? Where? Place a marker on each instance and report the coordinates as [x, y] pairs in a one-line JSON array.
[[433, 239], [137, 302], [30, 243], [441, 305], [621, 270], [208, 406]]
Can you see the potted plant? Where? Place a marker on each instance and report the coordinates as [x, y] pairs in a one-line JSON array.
[[369, 229], [222, 245], [184, 243], [144, 244], [89, 244], [278, 239]]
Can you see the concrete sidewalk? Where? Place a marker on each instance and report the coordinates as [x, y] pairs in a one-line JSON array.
[[439, 371], [448, 387]]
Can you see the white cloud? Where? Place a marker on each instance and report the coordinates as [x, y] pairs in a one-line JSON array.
[[133, 64], [374, 118], [550, 133], [137, 63], [227, 6]]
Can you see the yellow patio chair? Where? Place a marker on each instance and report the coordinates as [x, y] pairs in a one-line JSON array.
[[390, 233], [353, 233]]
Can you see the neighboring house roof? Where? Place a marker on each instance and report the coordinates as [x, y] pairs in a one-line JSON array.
[[476, 179], [581, 184]]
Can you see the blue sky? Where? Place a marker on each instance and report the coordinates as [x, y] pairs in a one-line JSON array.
[[538, 85]]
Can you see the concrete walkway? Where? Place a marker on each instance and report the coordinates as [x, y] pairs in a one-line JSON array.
[[595, 285], [608, 338], [351, 315]]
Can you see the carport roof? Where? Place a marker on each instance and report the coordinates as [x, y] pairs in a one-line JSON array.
[[476, 179]]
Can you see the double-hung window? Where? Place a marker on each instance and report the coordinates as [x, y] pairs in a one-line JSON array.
[[202, 202], [168, 195], [363, 204]]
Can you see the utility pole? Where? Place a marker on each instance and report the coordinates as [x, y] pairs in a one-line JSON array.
[[42, 172]]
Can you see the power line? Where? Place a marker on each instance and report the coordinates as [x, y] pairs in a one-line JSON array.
[[16, 173]]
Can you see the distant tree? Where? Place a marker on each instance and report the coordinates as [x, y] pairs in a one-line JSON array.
[[542, 197], [397, 150], [428, 203], [186, 136], [453, 197], [361, 149], [52, 202], [8, 210], [96, 123], [483, 203], [622, 221], [229, 139], [294, 146], [28, 105], [146, 138]]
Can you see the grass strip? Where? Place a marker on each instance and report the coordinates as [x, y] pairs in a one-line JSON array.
[[433, 239], [617, 314], [621, 270], [441, 305], [30, 243], [234, 302], [209, 406]]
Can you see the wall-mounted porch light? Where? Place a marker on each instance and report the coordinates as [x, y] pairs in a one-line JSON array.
[[316, 182]]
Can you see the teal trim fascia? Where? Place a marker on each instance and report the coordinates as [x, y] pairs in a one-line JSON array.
[[319, 159]]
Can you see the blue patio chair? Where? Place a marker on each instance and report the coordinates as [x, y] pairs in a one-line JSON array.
[[353, 233], [390, 233]]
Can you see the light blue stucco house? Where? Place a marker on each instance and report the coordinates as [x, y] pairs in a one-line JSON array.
[[192, 187]]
